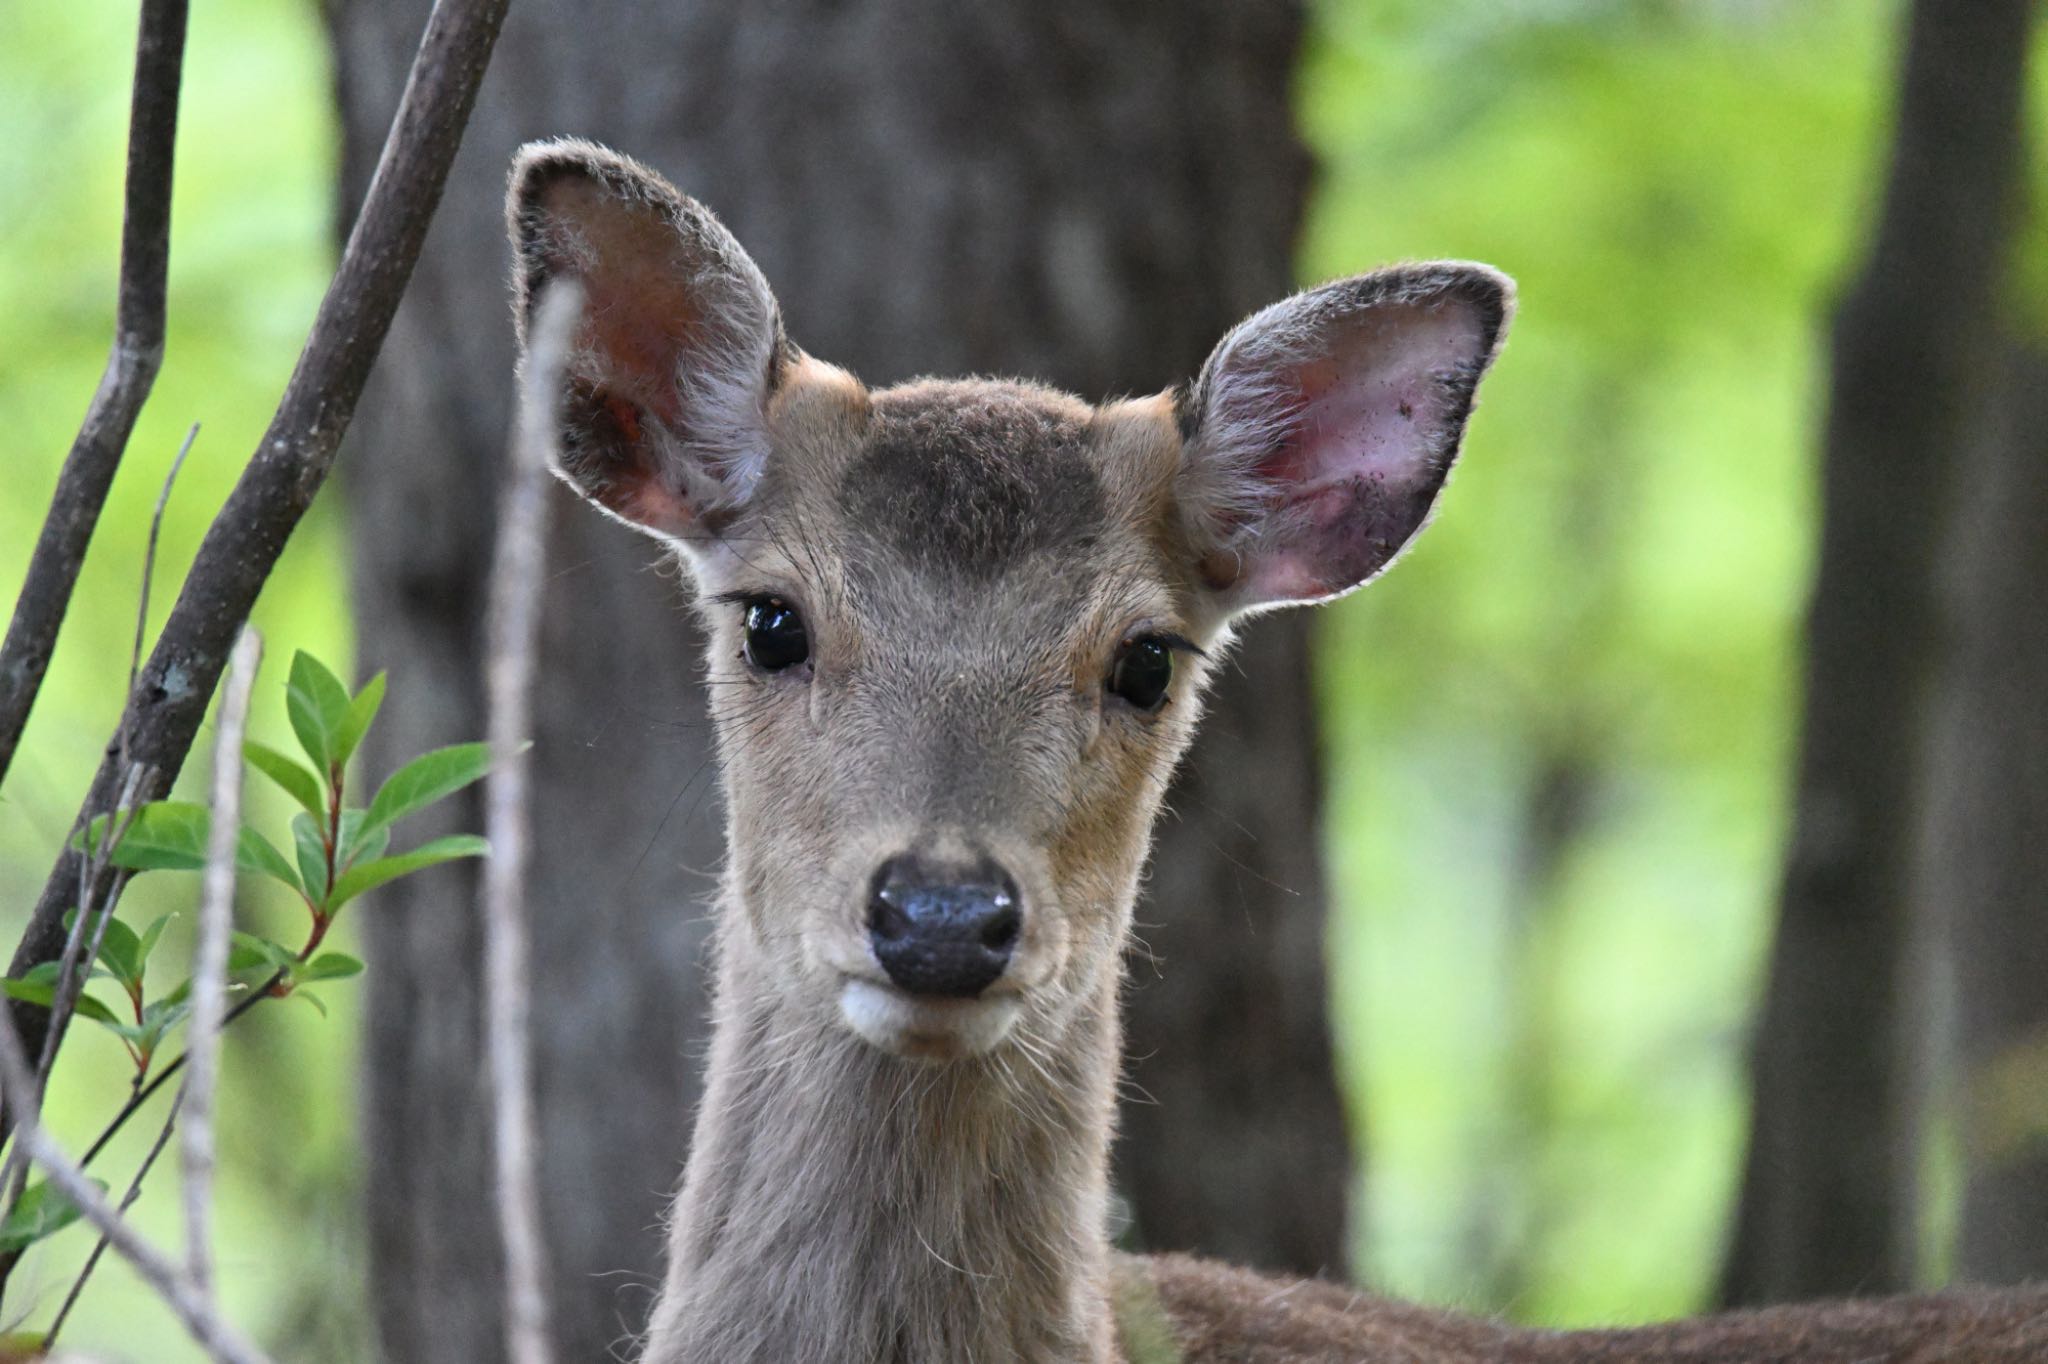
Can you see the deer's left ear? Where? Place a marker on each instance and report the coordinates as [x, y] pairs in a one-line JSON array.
[[1322, 428]]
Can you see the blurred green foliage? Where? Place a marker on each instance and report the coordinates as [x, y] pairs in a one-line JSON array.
[[1559, 734], [1562, 732]]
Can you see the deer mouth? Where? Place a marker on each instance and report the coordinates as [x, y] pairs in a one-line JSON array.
[[922, 1027]]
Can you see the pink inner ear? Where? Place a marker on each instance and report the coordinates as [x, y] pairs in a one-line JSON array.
[[1367, 452], [639, 356], [639, 313]]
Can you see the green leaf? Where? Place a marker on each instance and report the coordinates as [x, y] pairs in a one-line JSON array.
[[317, 705], [312, 853], [301, 785], [246, 952], [358, 845], [151, 935], [29, 991], [131, 1033], [159, 1018], [45, 992], [44, 972], [311, 999], [87, 840], [369, 875], [425, 780], [91, 1008], [356, 722], [328, 966], [121, 953], [254, 852], [42, 1210], [165, 835]]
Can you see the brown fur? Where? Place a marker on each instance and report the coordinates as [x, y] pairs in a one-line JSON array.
[[883, 1178], [1223, 1315]]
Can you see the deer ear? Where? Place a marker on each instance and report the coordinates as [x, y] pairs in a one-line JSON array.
[[679, 347], [1322, 428]]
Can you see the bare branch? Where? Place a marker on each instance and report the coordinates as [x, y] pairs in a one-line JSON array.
[[219, 1339], [210, 959], [288, 467], [98, 893], [99, 1249], [72, 973], [156, 527], [124, 385], [514, 626], [70, 980]]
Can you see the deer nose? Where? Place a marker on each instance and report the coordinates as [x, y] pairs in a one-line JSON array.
[[943, 932]]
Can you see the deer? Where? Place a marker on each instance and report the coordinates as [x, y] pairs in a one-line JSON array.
[[958, 633]]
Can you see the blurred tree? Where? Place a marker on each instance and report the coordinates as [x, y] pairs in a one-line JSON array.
[[625, 833], [1987, 867], [1083, 193], [1828, 1202]]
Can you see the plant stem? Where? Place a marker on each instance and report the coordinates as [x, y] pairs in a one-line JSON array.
[[148, 1091]]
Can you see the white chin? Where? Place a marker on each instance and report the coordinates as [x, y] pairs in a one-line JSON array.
[[927, 1029]]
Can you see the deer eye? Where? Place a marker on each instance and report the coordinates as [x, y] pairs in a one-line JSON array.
[[1142, 672], [775, 635]]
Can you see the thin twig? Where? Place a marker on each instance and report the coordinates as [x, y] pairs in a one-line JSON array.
[[99, 1249], [210, 958], [91, 918], [130, 372], [219, 1339], [513, 631], [156, 527], [292, 461], [71, 979]]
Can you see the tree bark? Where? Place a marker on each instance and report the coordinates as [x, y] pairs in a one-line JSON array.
[[1828, 1200], [1987, 870], [1082, 192]]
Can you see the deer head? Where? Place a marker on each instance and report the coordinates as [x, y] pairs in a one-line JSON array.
[[959, 631]]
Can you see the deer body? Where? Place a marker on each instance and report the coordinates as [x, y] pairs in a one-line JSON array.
[[958, 638]]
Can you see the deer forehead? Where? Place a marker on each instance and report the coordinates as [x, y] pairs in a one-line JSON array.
[[974, 479], [995, 496]]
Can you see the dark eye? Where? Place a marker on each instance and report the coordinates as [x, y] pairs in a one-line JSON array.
[[776, 638], [1142, 670]]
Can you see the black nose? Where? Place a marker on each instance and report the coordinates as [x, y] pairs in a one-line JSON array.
[[943, 932]]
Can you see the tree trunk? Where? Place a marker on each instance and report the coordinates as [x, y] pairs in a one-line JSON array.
[[625, 829], [1828, 1202], [1083, 192], [1988, 860]]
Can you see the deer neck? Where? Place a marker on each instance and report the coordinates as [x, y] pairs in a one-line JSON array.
[[844, 1204]]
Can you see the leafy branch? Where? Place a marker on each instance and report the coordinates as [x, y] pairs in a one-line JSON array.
[[278, 483], [341, 852]]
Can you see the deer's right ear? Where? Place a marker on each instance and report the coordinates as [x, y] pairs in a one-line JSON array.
[[679, 347]]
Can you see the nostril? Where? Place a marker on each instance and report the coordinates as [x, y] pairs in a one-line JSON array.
[[886, 919], [999, 934]]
